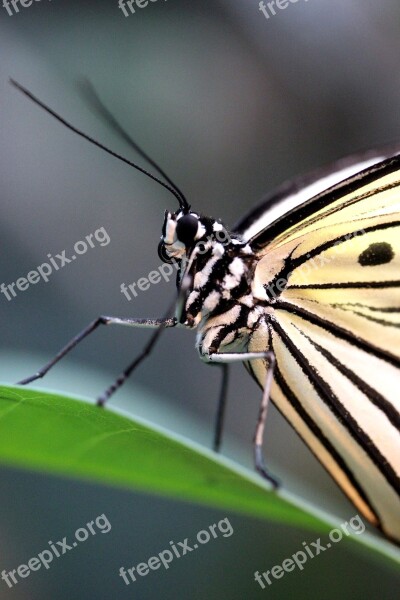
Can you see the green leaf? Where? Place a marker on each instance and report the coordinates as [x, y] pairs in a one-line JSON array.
[[55, 434]]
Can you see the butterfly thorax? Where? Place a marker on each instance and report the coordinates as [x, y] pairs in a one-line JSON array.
[[220, 303]]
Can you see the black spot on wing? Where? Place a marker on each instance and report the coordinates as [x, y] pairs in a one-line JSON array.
[[376, 254]]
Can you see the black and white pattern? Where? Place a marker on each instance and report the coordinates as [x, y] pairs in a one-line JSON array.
[[319, 286], [306, 292]]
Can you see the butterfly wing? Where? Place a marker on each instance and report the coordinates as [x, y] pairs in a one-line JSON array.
[[295, 192], [329, 272]]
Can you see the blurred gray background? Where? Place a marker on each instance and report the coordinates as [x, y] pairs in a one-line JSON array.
[[230, 104]]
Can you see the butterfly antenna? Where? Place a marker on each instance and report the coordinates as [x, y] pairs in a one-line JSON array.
[[182, 202], [97, 104]]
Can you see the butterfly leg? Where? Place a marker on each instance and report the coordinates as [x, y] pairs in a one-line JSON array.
[[219, 421], [262, 418], [159, 324], [228, 357]]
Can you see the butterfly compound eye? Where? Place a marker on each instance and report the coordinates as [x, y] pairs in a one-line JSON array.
[[186, 229]]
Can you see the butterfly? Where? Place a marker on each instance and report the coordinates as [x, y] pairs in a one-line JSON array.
[[305, 291]]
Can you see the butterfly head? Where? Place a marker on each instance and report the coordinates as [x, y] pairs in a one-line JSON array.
[[180, 233], [183, 232], [204, 250]]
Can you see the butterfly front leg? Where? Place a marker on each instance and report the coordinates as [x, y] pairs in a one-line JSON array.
[[212, 353], [157, 324]]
